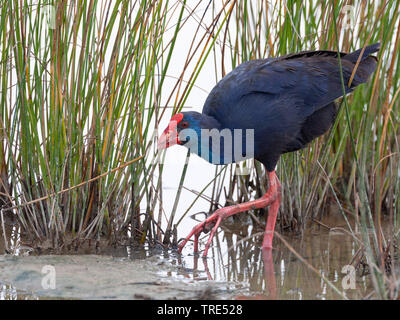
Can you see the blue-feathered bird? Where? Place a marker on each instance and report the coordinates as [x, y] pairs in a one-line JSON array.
[[279, 105]]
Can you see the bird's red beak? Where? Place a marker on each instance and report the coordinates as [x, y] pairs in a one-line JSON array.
[[170, 135]]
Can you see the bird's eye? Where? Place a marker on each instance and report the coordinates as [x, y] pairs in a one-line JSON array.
[[185, 124]]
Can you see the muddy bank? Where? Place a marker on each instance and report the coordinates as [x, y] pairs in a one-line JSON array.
[[102, 277]]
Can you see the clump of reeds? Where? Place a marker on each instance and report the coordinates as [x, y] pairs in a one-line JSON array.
[[82, 95], [81, 86]]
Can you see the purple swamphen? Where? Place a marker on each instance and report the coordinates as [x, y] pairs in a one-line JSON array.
[[286, 102]]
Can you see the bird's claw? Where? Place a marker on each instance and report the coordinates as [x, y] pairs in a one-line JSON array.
[[198, 229]]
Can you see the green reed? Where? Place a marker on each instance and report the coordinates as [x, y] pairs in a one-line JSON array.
[[81, 91]]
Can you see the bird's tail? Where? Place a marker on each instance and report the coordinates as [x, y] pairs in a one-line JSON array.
[[353, 57], [367, 64]]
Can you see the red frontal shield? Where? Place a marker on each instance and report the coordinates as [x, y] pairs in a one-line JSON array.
[[170, 135]]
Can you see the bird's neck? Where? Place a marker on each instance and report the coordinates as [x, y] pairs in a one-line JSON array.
[[197, 137], [216, 144], [209, 123]]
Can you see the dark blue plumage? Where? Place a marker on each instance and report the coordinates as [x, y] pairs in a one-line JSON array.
[[288, 101]]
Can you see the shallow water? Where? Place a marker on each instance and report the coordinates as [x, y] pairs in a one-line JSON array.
[[293, 272], [305, 267]]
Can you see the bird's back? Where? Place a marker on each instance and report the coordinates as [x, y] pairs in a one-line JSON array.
[[288, 101]]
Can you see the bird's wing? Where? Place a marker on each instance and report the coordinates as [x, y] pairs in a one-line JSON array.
[[311, 77]]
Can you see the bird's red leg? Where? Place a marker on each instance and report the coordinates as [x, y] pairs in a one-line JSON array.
[[196, 243], [272, 215], [269, 272], [214, 229], [272, 197]]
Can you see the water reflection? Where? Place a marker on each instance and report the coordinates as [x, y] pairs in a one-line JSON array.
[[292, 270]]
